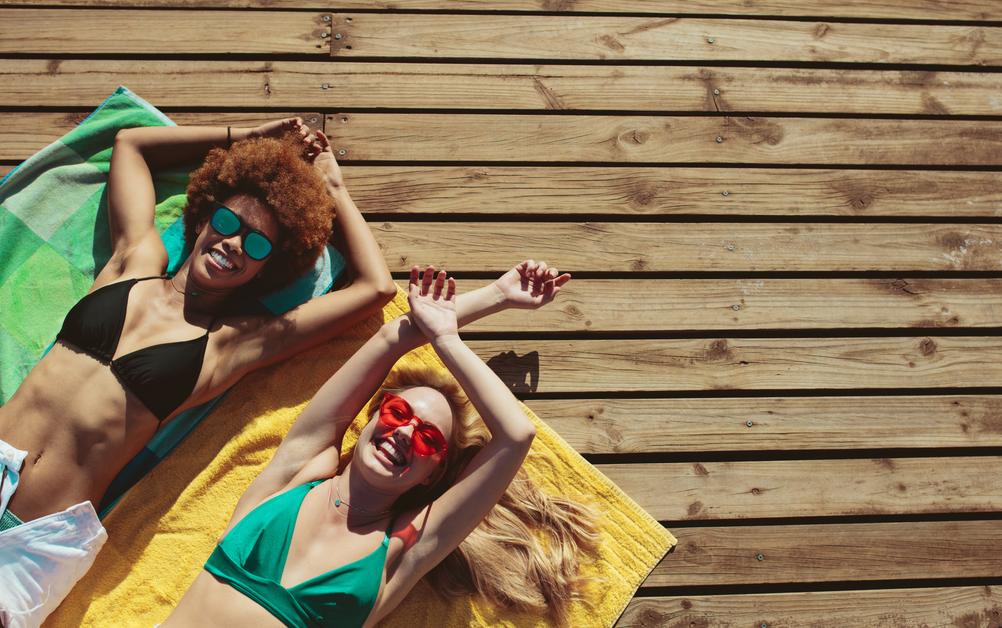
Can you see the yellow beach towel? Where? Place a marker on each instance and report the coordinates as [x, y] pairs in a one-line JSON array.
[[163, 530]]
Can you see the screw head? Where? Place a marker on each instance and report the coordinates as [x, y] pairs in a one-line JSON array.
[[337, 35], [325, 86], [711, 40], [763, 625], [716, 92], [730, 246], [342, 152], [327, 18], [725, 193], [735, 307], [719, 140], [313, 120], [759, 556], [749, 423], [325, 35]]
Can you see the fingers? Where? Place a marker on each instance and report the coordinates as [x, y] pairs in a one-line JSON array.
[[439, 284], [450, 294], [412, 285], [426, 279]]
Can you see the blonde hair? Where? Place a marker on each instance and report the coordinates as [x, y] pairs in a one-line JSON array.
[[524, 554]]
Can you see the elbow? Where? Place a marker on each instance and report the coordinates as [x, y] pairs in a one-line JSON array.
[[525, 435], [124, 135], [384, 291]]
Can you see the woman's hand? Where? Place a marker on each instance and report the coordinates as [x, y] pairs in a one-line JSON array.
[[530, 284], [433, 302], [322, 157]]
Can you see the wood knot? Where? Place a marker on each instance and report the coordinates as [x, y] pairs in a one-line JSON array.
[[927, 347]]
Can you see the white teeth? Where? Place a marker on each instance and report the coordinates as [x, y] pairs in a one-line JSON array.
[[221, 259], [391, 452]]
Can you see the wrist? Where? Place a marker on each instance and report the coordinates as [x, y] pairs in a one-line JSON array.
[[446, 341]]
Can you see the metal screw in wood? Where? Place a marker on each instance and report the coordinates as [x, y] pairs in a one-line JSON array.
[[749, 423], [760, 557], [327, 18], [325, 86], [337, 35], [325, 34], [725, 193], [711, 40], [342, 152], [716, 92], [720, 140], [735, 307]]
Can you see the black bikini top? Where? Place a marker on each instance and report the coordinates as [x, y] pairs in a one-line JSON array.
[[161, 376]]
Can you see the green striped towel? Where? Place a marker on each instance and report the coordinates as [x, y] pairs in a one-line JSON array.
[[54, 238]]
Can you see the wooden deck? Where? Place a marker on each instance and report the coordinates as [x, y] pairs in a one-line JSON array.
[[783, 216]]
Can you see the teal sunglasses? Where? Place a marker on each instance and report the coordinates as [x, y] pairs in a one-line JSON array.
[[257, 246]]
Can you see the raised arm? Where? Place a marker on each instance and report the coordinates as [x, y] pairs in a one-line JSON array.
[[324, 317], [136, 245], [450, 518], [314, 441]]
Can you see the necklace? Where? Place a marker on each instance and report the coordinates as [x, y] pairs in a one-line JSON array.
[[358, 509], [193, 293]]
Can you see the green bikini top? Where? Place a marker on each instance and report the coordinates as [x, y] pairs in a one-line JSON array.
[[251, 559]]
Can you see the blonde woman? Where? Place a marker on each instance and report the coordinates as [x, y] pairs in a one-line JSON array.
[[312, 543]]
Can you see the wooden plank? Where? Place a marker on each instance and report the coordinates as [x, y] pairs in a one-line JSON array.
[[295, 84], [810, 488], [972, 10], [946, 606], [657, 305], [868, 552], [659, 39], [692, 247], [124, 31], [644, 192], [623, 139], [22, 134], [626, 426], [665, 139], [566, 366]]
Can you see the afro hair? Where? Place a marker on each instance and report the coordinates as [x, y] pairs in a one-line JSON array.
[[276, 172]]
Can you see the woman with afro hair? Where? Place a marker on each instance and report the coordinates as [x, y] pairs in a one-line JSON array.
[[143, 346]]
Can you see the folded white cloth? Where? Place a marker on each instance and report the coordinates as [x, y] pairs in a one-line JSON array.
[[41, 559]]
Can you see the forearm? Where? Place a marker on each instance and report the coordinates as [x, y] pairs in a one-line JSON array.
[[404, 336], [363, 252], [496, 405], [164, 146]]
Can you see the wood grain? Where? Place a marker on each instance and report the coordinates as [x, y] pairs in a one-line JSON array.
[[23, 134], [659, 305], [810, 488], [630, 426], [665, 139], [127, 31], [570, 37], [564, 366], [898, 608], [857, 9], [692, 247], [640, 192], [293, 84], [866, 552]]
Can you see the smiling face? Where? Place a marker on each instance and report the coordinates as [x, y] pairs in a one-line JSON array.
[[218, 261], [385, 455]]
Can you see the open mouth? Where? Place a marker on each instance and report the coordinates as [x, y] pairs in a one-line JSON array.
[[222, 261], [389, 452]]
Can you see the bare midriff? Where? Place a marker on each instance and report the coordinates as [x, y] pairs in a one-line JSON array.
[[79, 426], [209, 602]]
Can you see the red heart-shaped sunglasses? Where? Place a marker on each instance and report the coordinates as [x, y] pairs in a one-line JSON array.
[[394, 412]]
